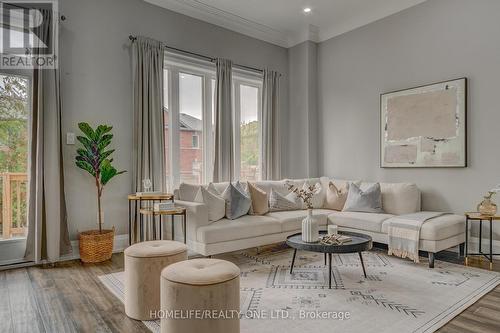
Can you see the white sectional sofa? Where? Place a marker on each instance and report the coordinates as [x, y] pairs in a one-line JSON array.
[[209, 238]]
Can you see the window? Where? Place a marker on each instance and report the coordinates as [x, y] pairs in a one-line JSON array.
[[15, 104], [195, 141], [190, 105], [247, 114]]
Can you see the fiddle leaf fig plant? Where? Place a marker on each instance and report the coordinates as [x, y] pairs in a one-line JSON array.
[[95, 158]]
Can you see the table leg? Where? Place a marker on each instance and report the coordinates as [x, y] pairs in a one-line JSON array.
[[141, 224], [184, 219], [480, 235], [161, 227], [330, 271], [491, 243], [293, 260], [466, 239], [129, 223], [362, 263], [325, 258], [172, 220], [154, 224]]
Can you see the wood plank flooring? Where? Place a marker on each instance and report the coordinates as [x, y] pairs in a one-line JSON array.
[[70, 298]]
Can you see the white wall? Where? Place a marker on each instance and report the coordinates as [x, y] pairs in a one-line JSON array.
[[434, 41], [97, 84]]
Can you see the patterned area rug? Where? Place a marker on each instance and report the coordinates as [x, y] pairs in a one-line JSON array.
[[396, 296]]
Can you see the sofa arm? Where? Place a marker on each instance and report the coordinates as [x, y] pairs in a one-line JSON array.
[[197, 216]]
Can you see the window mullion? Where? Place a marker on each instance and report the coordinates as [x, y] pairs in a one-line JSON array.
[[237, 129], [207, 129], [174, 129]]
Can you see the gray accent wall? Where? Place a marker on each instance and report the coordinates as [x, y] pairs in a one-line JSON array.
[[434, 41], [97, 85]]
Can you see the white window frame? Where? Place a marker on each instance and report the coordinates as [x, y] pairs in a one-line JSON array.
[[176, 64]]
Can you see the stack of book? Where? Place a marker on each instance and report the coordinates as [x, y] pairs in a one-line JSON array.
[[335, 239]]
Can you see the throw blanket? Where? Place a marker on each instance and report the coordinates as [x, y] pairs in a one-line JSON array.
[[404, 234]]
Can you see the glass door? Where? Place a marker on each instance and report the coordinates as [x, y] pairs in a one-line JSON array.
[[15, 105]]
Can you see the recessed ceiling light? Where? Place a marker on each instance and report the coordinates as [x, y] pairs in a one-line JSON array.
[[307, 10]]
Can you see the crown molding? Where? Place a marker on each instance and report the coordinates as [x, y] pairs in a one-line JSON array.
[[213, 15]]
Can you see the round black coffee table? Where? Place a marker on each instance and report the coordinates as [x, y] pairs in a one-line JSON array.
[[359, 243]]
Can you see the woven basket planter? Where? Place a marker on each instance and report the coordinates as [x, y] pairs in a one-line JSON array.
[[96, 247]]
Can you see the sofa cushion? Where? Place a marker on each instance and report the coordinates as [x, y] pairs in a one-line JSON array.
[[238, 202], [398, 198], [187, 192], [318, 197], [292, 219], [247, 226], [260, 201], [216, 204], [368, 200], [279, 202], [356, 220], [438, 228]]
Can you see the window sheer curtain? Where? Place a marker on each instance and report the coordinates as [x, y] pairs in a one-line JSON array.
[[48, 237], [224, 126], [271, 150], [149, 141]]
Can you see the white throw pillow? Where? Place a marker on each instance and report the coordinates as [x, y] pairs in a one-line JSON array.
[[279, 202], [216, 205], [187, 192], [319, 195]]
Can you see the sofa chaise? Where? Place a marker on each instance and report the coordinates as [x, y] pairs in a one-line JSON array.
[[209, 238]]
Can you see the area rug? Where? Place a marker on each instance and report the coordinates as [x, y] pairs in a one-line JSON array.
[[396, 296]]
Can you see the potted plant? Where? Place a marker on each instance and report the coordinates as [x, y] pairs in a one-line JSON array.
[[95, 158]]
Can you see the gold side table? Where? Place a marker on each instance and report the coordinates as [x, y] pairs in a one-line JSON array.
[[176, 211], [133, 201], [476, 216]]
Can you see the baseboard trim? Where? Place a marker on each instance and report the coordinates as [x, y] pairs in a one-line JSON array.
[[120, 243]]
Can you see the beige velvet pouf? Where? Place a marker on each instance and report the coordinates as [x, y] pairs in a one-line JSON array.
[[200, 295], [143, 265]]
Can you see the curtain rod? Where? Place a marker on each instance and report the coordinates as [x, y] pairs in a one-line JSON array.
[[211, 59]]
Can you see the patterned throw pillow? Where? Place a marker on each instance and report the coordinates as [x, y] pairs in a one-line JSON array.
[[237, 201], [279, 202], [259, 200], [367, 201], [216, 205]]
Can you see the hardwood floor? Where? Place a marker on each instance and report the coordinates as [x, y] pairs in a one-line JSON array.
[[70, 298]]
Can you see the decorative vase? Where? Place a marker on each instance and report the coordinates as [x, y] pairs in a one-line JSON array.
[[310, 228], [487, 207]]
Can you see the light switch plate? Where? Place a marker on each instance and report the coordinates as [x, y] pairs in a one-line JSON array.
[[70, 138]]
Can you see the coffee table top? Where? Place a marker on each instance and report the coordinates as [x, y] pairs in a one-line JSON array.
[[359, 242]]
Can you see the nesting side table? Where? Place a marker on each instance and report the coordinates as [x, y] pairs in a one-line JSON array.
[[135, 201], [475, 216], [176, 211]]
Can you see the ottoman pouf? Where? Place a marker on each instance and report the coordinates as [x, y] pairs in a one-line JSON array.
[[200, 295], [143, 265]]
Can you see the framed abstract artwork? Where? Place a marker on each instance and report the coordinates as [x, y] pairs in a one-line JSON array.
[[424, 127]]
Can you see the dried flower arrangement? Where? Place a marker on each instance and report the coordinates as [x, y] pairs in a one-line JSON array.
[[306, 194]]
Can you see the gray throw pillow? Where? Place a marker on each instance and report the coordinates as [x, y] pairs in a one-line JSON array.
[[237, 201], [367, 201]]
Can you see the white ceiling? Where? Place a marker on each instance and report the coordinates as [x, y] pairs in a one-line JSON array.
[[283, 22]]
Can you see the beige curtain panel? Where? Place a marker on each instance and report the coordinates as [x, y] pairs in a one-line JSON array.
[[48, 237], [224, 132], [271, 150], [149, 141]]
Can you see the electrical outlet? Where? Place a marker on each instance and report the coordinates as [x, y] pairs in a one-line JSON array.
[[70, 138]]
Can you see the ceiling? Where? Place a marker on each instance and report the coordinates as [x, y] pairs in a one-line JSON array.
[[283, 22]]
